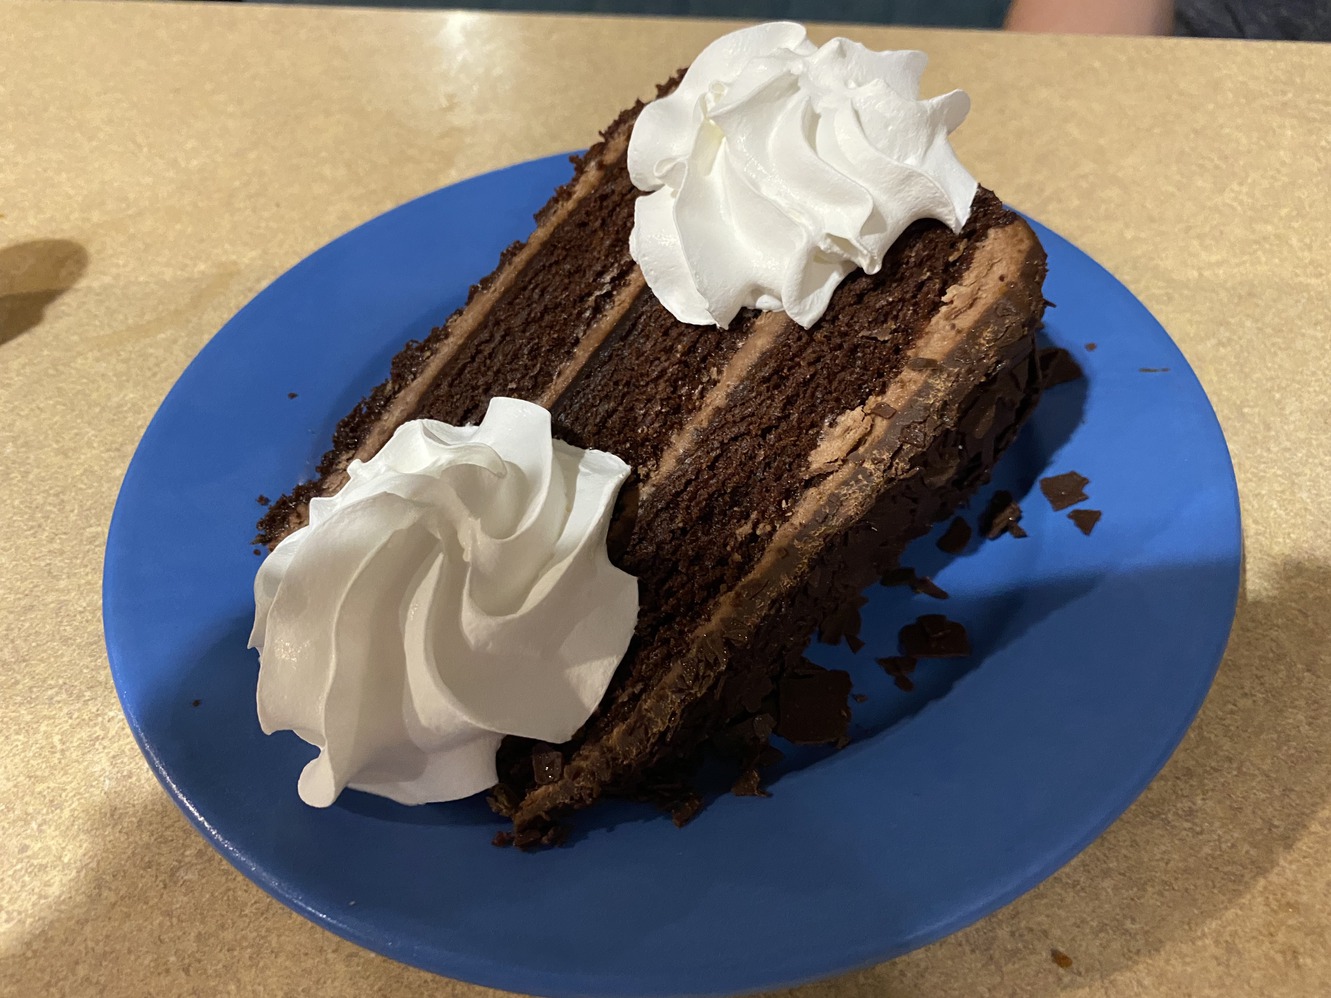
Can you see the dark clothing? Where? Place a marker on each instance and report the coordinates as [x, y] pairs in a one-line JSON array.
[[1296, 20]]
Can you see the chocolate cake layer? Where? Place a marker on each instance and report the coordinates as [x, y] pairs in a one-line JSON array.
[[778, 470]]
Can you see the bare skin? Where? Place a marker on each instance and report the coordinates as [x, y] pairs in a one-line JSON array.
[[1092, 17]]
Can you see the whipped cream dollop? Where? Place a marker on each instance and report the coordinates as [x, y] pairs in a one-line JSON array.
[[455, 590], [777, 167]]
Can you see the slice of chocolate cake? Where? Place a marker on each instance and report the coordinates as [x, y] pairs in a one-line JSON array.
[[777, 470]]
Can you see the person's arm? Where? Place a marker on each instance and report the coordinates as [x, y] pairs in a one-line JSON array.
[[1092, 17]]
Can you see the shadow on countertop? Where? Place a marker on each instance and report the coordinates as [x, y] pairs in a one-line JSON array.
[[32, 275]]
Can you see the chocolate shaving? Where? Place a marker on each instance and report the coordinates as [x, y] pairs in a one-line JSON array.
[[749, 784], [927, 587], [881, 409], [1064, 490], [844, 623], [905, 576], [686, 810], [899, 667], [812, 705], [956, 537], [1001, 516], [1057, 367], [934, 636], [1085, 519]]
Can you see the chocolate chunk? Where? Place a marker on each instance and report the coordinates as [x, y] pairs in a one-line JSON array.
[[749, 784], [956, 537], [1064, 490], [905, 576], [264, 500], [844, 623], [899, 667], [291, 395], [1001, 517], [1085, 519], [927, 587], [502, 840], [685, 810], [547, 763], [934, 636], [1057, 367], [1090, 347], [1153, 370], [812, 705]]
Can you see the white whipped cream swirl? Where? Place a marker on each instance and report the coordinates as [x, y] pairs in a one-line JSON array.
[[778, 167], [456, 589]]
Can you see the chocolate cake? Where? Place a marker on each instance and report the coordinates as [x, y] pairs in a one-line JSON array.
[[777, 470]]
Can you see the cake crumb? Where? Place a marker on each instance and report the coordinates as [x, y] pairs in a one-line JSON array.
[[195, 703], [1060, 958], [502, 840], [1091, 347], [859, 697], [291, 395], [264, 500]]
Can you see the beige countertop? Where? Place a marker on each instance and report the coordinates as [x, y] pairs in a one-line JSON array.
[[160, 164]]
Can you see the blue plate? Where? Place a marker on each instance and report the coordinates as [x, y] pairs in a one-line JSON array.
[[1092, 656]]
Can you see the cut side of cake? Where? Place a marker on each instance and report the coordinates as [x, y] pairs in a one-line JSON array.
[[777, 470]]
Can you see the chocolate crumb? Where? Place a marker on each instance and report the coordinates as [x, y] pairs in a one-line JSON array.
[[1001, 517], [291, 395], [502, 840], [1057, 367], [956, 537], [264, 500], [934, 636], [547, 764], [257, 551], [812, 707], [1085, 519], [1060, 958], [899, 667], [750, 784], [1091, 347], [1064, 490], [195, 703], [1153, 370], [859, 697]]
